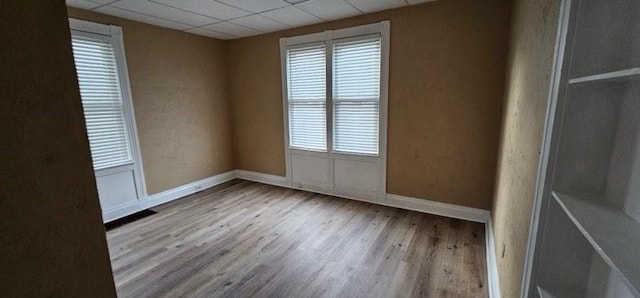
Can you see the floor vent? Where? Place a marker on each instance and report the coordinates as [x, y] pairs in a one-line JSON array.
[[128, 219]]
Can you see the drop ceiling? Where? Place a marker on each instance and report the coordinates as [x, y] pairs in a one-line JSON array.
[[231, 19]]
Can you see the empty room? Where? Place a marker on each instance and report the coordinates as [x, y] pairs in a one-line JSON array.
[[320, 148]]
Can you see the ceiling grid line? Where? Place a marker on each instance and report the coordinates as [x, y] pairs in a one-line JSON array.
[[144, 14]]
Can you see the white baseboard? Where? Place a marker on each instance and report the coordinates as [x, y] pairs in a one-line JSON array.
[[166, 196], [492, 262], [438, 208], [391, 200], [187, 189], [263, 178]]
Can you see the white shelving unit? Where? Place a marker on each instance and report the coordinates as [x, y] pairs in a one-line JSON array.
[[588, 233]]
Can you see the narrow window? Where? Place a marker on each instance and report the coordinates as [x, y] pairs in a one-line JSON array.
[[101, 101], [306, 85], [356, 96]]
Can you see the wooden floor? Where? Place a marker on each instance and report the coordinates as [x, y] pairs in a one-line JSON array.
[[245, 239]]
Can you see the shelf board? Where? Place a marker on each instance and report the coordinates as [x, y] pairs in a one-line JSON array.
[[555, 293], [621, 75], [612, 233], [544, 293]]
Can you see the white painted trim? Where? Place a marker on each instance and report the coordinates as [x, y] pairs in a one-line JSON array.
[[115, 170], [438, 208], [263, 178], [90, 27], [385, 32], [493, 277], [379, 27], [187, 189], [166, 196], [306, 39], [545, 152], [303, 39], [285, 107], [391, 200], [129, 114]]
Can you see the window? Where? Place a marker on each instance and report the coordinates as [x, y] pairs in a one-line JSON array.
[[101, 68], [101, 101], [356, 96], [335, 110], [306, 77], [351, 108]]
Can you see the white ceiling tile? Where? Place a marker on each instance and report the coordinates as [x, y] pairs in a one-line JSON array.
[[206, 7], [260, 23], [233, 29], [329, 10], [412, 2], [165, 12], [114, 11], [368, 6], [229, 19], [84, 4], [256, 5], [292, 16], [209, 33]]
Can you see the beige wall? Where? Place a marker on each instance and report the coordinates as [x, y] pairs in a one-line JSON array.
[[179, 88], [447, 70], [52, 241], [529, 73]]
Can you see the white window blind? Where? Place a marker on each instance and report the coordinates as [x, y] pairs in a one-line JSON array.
[[101, 101], [306, 85], [356, 96]]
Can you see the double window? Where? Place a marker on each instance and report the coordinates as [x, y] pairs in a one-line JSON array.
[[341, 114]]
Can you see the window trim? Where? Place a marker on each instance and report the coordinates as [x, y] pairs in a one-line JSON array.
[[329, 37], [114, 35]]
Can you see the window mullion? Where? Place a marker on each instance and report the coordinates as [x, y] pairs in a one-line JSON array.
[[329, 98]]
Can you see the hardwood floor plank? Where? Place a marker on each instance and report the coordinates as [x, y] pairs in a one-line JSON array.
[[245, 239]]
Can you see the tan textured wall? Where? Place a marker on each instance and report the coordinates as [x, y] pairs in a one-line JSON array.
[[528, 81], [52, 241], [447, 70], [179, 88]]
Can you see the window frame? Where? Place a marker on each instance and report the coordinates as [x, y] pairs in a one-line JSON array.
[[113, 34], [329, 38]]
